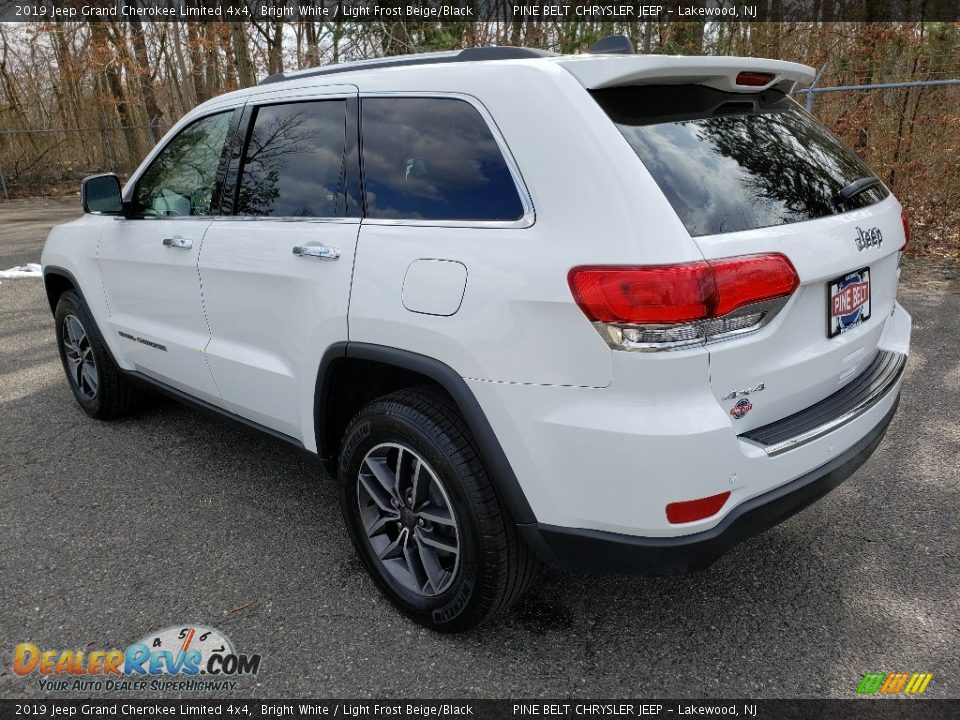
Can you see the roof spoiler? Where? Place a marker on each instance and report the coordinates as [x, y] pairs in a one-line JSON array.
[[721, 73]]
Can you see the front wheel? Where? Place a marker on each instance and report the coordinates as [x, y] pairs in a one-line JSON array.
[[98, 385], [424, 516]]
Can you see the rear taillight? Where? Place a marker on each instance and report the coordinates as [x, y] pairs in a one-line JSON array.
[[692, 510], [755, 79], [906, 229], [666, 306]]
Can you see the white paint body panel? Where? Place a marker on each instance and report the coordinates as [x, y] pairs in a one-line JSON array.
[[793, 356], [153, 293], [611, 459], [272, 314], [598, 439]]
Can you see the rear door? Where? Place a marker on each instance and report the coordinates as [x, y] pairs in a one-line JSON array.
[[754, 173], [276, 265]]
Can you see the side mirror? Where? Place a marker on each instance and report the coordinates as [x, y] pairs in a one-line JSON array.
[[101, 194]]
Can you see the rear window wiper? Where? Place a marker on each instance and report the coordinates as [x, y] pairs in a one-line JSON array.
[[848, 192]]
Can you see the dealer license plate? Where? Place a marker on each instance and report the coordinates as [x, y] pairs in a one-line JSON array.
[[849, 302]]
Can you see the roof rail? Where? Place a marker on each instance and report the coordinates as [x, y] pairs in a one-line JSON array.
[[467, 55]]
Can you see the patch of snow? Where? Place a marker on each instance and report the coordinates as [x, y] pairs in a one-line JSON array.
[[30, 270]]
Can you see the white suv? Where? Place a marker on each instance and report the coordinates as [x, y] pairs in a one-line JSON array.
[[612, 312]]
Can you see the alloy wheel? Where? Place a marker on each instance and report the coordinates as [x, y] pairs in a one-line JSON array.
[[408, 519], [81, 364]]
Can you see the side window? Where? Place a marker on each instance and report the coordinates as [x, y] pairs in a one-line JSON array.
[[181, 179], [293, 161], [433, 159]]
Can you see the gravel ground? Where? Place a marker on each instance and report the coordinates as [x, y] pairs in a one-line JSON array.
[[110, 530]]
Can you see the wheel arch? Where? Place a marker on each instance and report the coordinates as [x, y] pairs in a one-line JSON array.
[[385, 369], [56, 281]]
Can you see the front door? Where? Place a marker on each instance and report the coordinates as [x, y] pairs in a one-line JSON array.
[[148, 260]]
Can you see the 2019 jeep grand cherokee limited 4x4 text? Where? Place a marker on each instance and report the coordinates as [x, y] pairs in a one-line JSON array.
[[611, 312]]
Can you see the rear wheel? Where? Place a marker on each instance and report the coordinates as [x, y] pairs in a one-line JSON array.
[[99, 387], [424, 516]]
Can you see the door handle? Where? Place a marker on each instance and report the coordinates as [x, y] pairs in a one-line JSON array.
[[178, 241], [318, 251]]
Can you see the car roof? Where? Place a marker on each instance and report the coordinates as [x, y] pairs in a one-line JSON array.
[[434, 58], [592, 70]]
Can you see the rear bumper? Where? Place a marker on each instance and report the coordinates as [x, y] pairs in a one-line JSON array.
[[595, 551], [835, 411]]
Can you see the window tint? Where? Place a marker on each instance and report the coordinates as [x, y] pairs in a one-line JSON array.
[[293, 162], [729, 161], [181, 179], [433, 159]]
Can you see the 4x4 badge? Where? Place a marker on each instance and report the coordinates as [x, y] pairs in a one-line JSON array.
[[734, 394]]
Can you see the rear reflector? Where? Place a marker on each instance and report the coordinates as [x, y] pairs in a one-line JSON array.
[[691, 510], [906, 229], [673, 294], [755, 79]]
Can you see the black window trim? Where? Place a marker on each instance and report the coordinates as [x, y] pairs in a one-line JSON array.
[[529, 212], [134, 184], [228, 188], [350, 167]]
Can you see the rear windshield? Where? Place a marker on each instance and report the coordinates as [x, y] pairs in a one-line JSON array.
[[729, 161]]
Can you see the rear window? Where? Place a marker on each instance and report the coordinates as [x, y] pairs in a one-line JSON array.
[[730, 162], [433, 159]]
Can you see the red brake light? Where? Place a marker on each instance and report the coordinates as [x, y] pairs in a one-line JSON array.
[[672, 294], [652, 294], [752, 278], [691, 510], [906, 229], [755, 79]]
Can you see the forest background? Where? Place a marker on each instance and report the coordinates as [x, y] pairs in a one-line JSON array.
[[83, 97]]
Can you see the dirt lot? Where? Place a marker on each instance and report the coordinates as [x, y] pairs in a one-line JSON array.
[[170, 517]]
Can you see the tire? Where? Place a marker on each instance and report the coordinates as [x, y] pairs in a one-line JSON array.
[[492, 566], [99, 387]]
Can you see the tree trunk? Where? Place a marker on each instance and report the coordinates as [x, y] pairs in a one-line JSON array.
[[275, 49], [114, 82], [145, 76], [195, 50], [187, 90], [241, 54]]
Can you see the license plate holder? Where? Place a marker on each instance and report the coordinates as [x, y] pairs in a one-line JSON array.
[[848, 302]]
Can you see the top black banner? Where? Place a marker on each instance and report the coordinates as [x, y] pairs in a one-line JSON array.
[[552, 11]]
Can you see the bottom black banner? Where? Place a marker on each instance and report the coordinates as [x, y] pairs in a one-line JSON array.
[[865, 709]]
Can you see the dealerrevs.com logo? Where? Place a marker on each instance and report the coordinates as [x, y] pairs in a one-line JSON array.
[[185, 657]]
